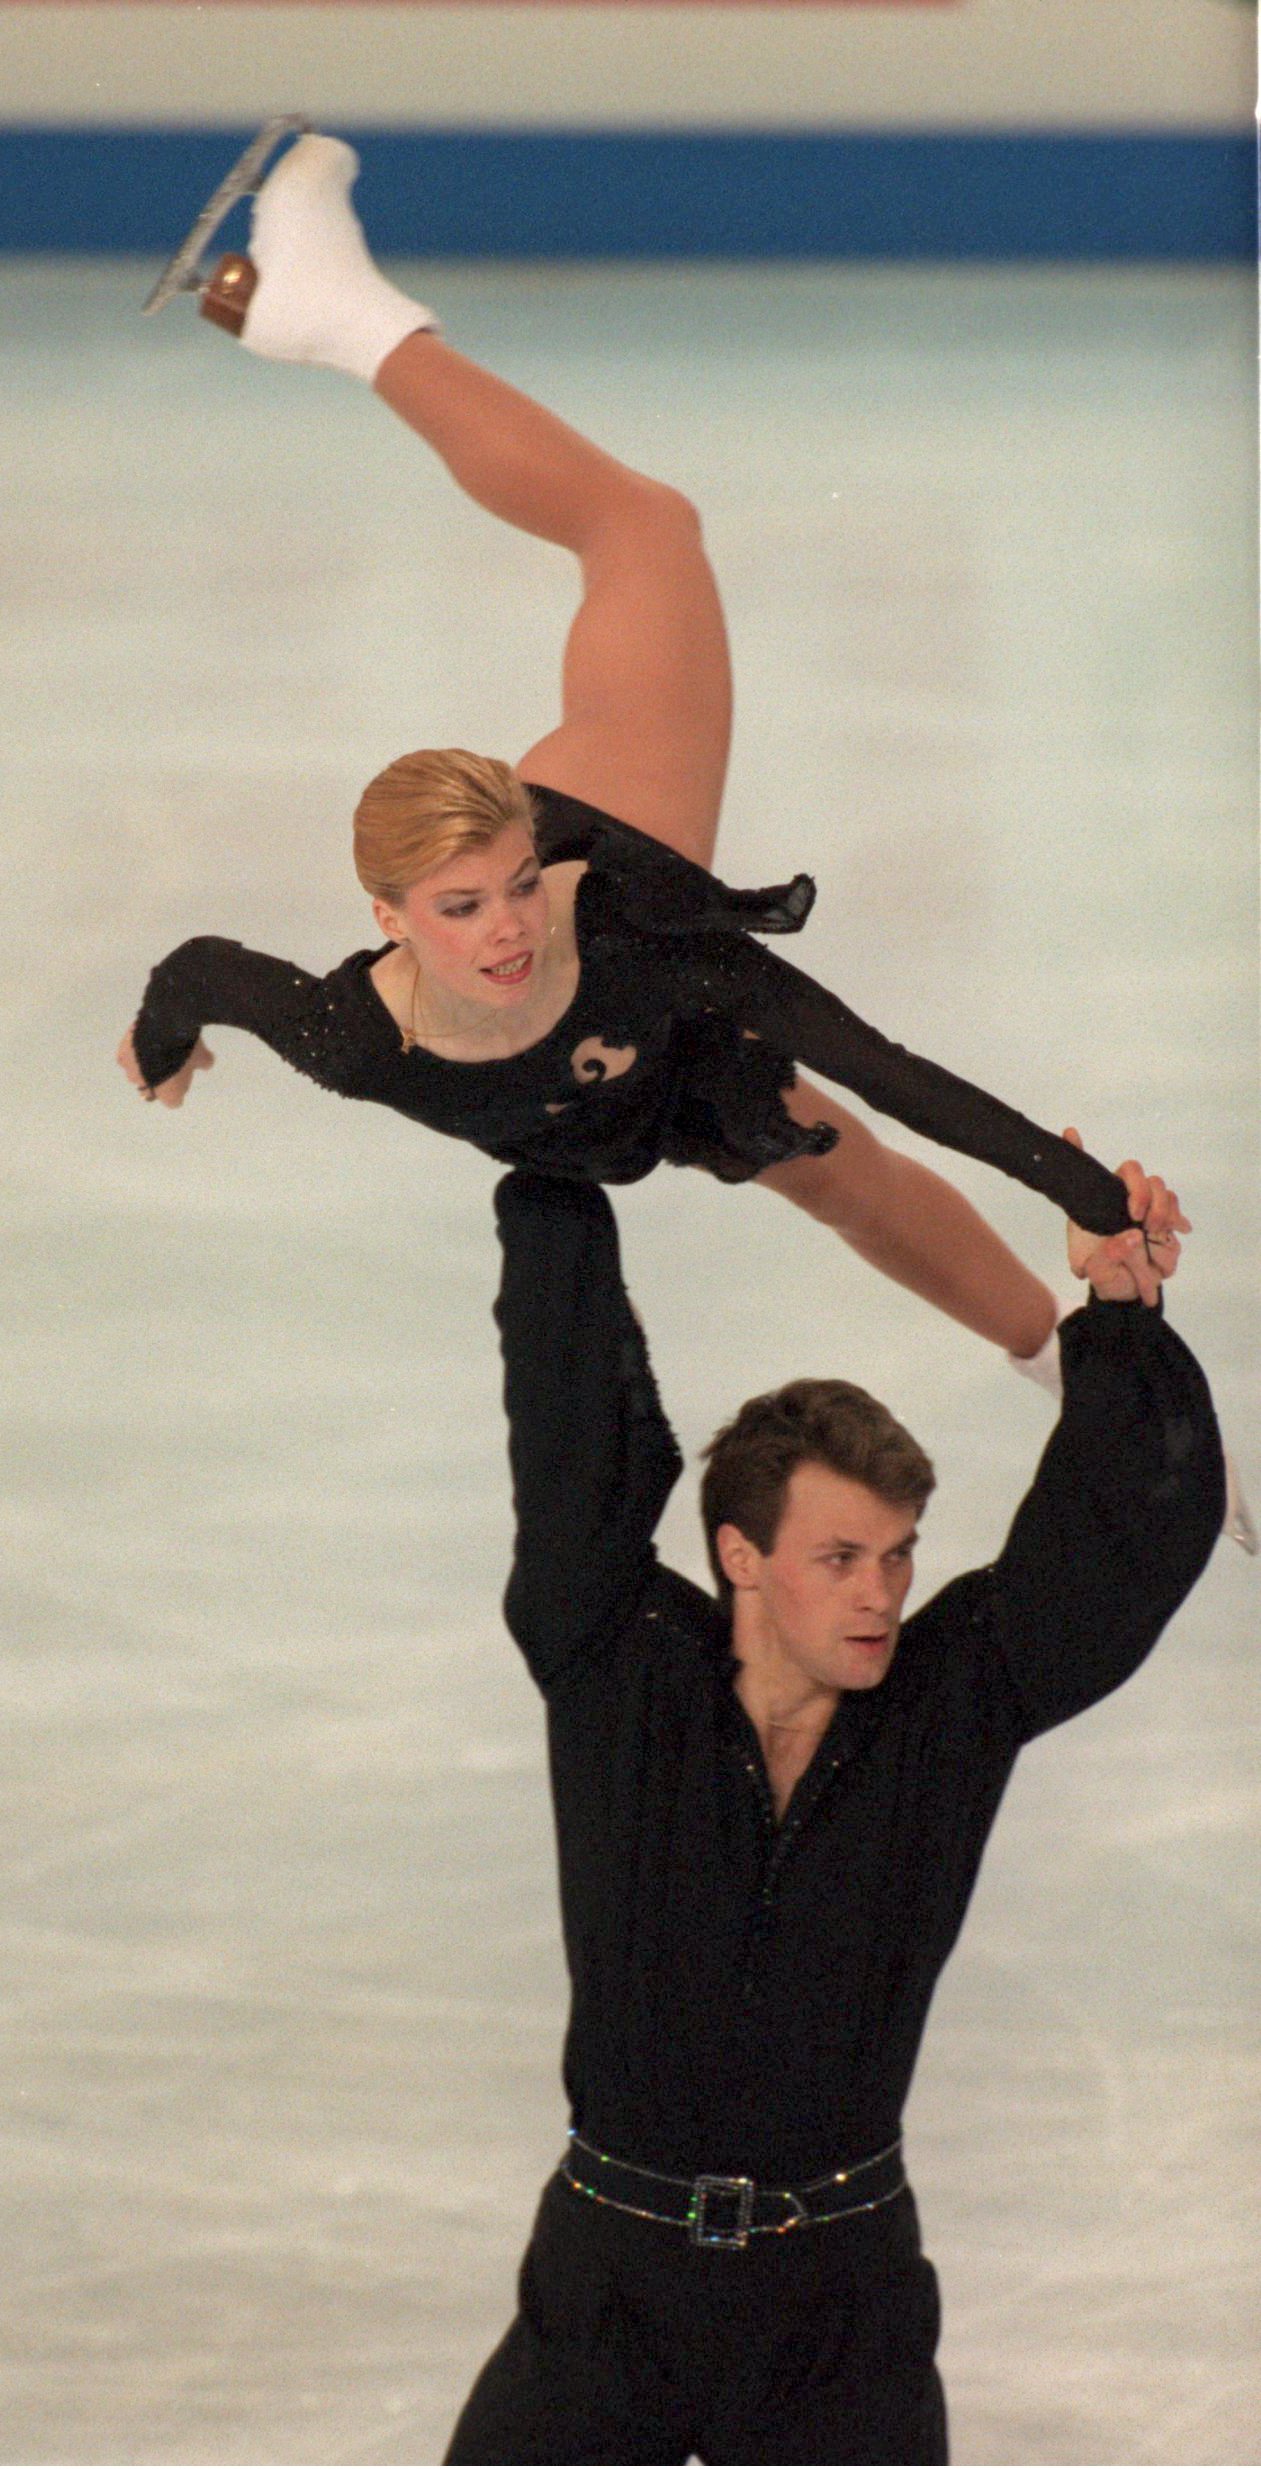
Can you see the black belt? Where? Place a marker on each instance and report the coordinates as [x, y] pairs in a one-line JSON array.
[[728, 2211]]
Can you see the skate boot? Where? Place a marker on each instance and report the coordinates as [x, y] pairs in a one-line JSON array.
[[308, 290]]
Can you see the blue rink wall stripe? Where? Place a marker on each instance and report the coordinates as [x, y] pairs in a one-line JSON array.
[[661, 194]]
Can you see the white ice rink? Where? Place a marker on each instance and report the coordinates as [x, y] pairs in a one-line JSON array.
[[282, 1990]]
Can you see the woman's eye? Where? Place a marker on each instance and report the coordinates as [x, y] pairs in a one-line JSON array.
[[467, 908], [525, 891]]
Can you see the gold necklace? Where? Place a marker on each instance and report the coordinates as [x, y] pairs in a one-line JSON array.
[[418, 1031], [411, 1034]]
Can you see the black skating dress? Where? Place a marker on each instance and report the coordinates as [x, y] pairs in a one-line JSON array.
[[681, 1039]]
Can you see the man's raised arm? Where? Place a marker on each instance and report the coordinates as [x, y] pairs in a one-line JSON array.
[[1129, 1497], [593, 1459]]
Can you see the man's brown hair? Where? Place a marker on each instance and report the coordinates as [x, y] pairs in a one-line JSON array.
[[830, 1423]]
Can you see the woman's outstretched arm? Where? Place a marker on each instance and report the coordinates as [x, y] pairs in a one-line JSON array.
[[210, 980]]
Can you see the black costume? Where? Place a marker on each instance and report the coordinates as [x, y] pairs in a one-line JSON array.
[[669, 974], [748, 1995]]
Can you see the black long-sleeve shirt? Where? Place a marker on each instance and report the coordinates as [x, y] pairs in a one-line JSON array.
[[749, 1996]]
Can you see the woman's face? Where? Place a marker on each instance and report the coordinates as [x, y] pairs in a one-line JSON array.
[[479, 924]]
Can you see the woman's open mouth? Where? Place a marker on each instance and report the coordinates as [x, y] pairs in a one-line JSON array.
[[511, 972]]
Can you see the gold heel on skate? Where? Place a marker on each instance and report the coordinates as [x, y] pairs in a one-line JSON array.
[[225, 298]]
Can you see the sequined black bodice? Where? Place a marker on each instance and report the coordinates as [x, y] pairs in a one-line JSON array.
[[681, 1039], [647, 1063]]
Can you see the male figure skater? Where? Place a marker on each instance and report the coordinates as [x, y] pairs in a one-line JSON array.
[[771, 1810]]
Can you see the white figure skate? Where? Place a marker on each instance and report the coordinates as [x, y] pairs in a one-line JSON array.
[[308, 290]]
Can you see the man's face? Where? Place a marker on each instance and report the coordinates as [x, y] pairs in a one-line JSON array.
[[832, 1586]]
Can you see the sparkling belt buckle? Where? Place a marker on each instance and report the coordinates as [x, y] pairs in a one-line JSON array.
[[721, 2211]]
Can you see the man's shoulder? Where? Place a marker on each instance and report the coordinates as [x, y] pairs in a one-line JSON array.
[[957, 1603], [671, 1621], [949, 1689], [671, 1615], [939, 1638], [674, 1603]]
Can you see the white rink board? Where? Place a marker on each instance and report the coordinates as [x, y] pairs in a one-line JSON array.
[[1020, 64]]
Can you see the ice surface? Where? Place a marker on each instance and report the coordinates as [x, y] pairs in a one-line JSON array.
[[281, 1976]]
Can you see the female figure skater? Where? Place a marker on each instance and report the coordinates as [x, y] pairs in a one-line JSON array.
[[564, 983]]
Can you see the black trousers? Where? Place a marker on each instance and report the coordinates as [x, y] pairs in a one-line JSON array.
[[632, 2345]]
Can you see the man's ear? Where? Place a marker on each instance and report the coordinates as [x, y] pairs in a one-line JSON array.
[[739, 1560], [389, 921]]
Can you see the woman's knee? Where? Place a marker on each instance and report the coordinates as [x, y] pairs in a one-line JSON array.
[[652, 513]]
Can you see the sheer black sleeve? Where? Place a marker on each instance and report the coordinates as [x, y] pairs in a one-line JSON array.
[[1122, 1516], [787, 1008], [593, 1458], [213, 982]]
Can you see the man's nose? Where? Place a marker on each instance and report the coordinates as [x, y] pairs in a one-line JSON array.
[[875, 1588]]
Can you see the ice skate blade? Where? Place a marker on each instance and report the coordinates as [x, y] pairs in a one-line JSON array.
[[184, 271], [1240, 1523]]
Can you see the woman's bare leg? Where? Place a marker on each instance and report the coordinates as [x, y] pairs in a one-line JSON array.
[[646, 701], [646, 692], [915, 1227]]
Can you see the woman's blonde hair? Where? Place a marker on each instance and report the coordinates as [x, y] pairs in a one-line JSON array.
[[429, 807]]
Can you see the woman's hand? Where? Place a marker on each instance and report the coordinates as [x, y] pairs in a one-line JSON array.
[[1127, 1268], [170, 1092]]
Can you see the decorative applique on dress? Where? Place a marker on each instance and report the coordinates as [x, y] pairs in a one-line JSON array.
[[681, 1040]]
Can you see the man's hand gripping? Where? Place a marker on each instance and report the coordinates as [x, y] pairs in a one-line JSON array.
[[1132, 1267]]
